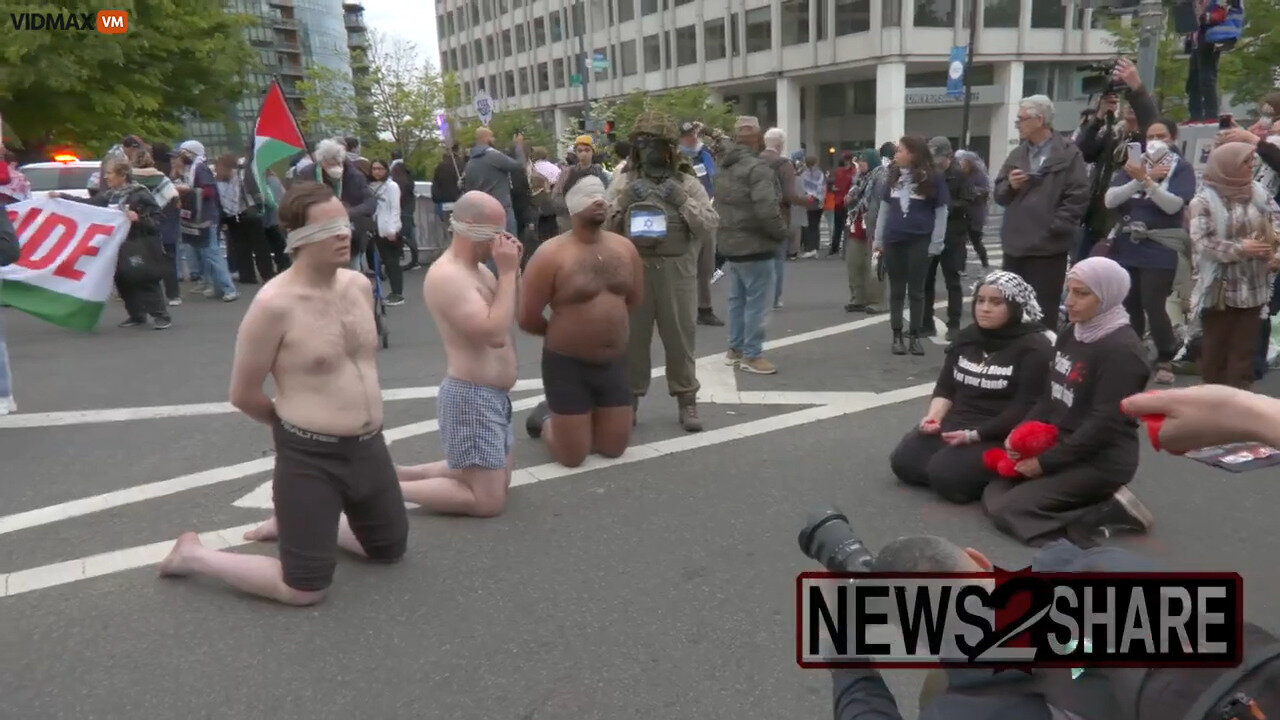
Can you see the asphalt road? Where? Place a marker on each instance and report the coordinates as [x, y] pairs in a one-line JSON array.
[[658, 586]]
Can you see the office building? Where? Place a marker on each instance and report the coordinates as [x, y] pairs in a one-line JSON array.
[[290, 36], [835, 74]]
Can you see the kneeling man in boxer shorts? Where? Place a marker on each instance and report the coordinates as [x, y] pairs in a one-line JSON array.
[[475, 315], [311, 328]]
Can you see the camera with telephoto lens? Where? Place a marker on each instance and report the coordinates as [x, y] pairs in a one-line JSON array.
[[1101, 79], [828, 538]]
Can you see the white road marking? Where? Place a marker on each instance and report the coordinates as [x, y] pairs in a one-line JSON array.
[[47, 576], [156, 412]]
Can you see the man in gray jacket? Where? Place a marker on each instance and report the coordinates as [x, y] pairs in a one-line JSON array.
[[751, 232], [489, 170], [1044, 189]]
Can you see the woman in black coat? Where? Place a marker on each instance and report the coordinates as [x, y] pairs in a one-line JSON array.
[[140, 266]]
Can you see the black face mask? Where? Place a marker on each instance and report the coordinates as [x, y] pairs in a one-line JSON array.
[[654, 156]]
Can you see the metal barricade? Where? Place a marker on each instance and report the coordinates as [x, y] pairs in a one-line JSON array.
[[430, 234]]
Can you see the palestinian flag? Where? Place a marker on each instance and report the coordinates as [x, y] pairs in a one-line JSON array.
[[276, 137]]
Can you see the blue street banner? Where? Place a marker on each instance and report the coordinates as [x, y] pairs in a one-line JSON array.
[[955, 72]]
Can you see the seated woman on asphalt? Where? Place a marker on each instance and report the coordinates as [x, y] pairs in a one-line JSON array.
[[1077, 487], [995, 371]]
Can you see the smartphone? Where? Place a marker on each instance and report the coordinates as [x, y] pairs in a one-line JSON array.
[[1226, 121], [1135, 153]]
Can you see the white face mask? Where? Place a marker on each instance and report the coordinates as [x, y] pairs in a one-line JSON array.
[[334, 172]]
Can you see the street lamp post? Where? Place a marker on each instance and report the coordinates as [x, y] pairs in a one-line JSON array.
[[968, 74], [1150, 16]]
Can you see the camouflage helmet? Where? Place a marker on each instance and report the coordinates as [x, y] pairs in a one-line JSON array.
[[651, 122]]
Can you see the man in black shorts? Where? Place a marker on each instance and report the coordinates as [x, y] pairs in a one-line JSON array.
[[311, 329], [592, 279]]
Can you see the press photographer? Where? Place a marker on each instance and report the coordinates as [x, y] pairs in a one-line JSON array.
[[1102, 142], [1251, 690]]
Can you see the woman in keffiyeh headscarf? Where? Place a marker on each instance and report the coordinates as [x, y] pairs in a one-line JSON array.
[[994, 372], [1235, 231], [1077, 487]]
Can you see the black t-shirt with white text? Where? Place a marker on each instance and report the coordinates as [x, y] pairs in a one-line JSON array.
[[992, 391]]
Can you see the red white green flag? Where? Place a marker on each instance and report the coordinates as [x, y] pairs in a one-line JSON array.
[[276, 137]]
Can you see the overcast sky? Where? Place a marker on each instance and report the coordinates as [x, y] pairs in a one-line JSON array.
[[413, 20]]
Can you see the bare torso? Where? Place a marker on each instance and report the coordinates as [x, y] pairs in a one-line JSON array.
[[325, 370], [491, 363], [589, 316]]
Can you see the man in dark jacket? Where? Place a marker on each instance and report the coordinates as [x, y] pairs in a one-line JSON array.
[[952, 259], [750, 233], [490, 171], [1044, 190], [445, 181], [1102, 142]]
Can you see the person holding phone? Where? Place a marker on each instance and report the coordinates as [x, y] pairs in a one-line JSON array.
[[1045, 192], [1149, 195]]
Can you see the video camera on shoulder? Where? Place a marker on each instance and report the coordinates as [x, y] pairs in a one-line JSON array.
[[1101, 79]]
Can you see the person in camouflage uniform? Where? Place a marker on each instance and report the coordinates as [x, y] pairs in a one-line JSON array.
[[658, 204]]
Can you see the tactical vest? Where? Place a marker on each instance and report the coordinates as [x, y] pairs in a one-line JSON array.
[[656, 227]]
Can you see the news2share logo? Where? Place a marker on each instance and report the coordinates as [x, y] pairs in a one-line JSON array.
[[1021, 620], [107, 22]]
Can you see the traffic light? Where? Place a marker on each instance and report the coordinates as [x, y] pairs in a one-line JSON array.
[[609, 129]]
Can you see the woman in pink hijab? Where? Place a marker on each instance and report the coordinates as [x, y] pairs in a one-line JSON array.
[[1235, 231], [1077, 488]]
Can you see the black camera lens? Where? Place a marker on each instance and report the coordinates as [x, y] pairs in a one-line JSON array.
[[828, 538]]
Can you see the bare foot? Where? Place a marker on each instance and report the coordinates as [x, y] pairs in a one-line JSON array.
[[175, 562], [265, 532]]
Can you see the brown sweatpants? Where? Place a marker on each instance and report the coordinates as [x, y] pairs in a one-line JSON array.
[[1230, 342]]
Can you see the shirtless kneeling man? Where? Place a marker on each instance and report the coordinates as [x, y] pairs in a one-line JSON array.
[[475, 315], [592, 279], [312, 329]]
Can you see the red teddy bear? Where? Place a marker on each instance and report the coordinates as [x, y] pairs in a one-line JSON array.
[[1028, 440]]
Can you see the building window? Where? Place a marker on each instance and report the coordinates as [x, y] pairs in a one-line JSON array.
[[735, 35], [892, 10], [475, 12], [557, 27], [833, 100], [493, 85], [453, 60], [822, 19], [441, 28], [466, 60], [579, 19], [480, 84], [600, 74], [1001, 13], [687, 45], [795, 22], [557, 68], [539, 32], [759, 29], [598, 14], [864, 97], [524, 81], [936, 13], [509, 83], [522, 42], [1045, 14], [652, 53], [713, 39], [477, 49], [628, 58], [649, 7], [544, 80], [502, 7], [506, 43], [626, 10], [488, 49], [853, 16]]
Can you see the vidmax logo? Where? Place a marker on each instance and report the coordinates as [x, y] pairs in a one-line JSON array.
[[113, 22], [109, 22]]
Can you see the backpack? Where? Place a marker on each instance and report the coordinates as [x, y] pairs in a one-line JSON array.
[[1224, 23]]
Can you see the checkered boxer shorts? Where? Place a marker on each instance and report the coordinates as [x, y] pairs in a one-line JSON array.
[[475, 425]]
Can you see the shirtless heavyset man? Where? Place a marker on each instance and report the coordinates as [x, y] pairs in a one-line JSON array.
[[592, 279], [311, 328], [474, 313]]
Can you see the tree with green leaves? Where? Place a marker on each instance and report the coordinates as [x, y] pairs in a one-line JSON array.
[[695, 102], [86, 90], [1249, 70], [328, 103], [402, 94]]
